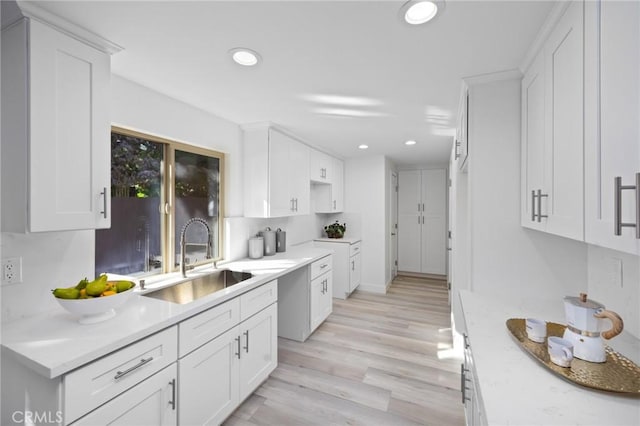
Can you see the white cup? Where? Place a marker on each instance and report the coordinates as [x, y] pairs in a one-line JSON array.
[[560, 351], [536, 330]]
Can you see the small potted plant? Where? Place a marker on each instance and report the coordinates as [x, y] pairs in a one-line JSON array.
[[335, 230]]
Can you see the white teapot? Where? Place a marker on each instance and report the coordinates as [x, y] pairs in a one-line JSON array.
[[585, 324]]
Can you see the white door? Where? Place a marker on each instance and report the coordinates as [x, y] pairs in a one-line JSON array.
[[533, 135], [152, 402], [69, 152], [434, 222], [259, 349], [612, 129], [409, 221], [393, 225], [564, 145], [280, 201], [337, 186], [209, 386]]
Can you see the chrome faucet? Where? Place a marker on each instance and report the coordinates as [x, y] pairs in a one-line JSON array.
[[184, 244]]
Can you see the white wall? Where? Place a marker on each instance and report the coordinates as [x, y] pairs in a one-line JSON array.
[[365, 199], [622, 297], [507, 260]]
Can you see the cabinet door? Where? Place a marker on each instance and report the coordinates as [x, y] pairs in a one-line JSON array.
[[564, 163], [434, 222], [320, 169], [299, 177], [463, 129], [69, 134], [259, 349], [281, 200], [321, 294], [355, 271], [409, 220], [151, 402], [612, 134], [533, 135], [337, 185], [208, 387]]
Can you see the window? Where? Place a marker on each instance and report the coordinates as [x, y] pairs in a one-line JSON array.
[[157, 185]]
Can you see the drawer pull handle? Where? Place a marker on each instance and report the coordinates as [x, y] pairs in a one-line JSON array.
[[324, 265], [246, 334], [237, 339], [142, 362], [104, 202], [172, 383]]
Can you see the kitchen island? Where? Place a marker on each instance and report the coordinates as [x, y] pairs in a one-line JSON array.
[[514, 389]]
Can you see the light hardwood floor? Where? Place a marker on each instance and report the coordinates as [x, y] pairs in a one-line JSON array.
[[377, 360]]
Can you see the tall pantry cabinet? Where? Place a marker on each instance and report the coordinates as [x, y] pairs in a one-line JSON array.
[[422, 221]]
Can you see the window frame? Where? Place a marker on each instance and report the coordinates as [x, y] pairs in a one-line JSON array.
[[167, 196]]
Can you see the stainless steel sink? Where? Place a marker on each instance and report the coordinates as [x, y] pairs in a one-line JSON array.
[[198, 287]]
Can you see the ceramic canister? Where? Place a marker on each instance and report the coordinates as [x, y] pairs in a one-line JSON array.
[[256, 247], [269, 241], [281, 241]]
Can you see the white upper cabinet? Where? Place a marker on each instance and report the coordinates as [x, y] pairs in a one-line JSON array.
[[276, 174], [329, 198], [532, 142], [612, 132], [55, 131], [320, 167], [552, 132], [462, 130]]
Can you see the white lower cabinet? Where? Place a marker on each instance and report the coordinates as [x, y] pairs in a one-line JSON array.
[[152, 402], [473, 406], [224, 369], [305, 299], [347, 269], [321, 294]]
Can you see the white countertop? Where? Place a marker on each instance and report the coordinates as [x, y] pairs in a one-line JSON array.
[[54, 343], [517, 390], [343, 240]]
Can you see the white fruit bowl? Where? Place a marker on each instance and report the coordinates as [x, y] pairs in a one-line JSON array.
[[97, 309]]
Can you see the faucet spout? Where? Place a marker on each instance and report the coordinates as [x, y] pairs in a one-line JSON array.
[[184, 244]]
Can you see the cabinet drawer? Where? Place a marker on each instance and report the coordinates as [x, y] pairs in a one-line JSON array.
[[354, 249], [198, 330], [321, 266], [258, 299], [92, 385]]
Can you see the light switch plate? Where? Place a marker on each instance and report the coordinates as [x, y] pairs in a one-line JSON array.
[[615, 272]]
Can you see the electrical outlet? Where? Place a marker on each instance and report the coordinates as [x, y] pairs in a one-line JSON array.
[[12, 270]]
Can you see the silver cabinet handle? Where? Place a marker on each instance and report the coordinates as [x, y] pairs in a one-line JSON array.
[[466, 340], [324, 265], [296, 200], [457, 154], [540, 195], [104, 202], [463, 384], [418, 206], [238, 353], [533, 205], [246, 335], [143, 361], [172, 383], [353, 265], [617, 201]]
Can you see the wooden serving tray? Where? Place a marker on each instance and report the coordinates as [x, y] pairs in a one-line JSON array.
[[616, 374]]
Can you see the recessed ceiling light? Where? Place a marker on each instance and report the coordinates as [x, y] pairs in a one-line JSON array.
[[416, 12], [244, 56], [363, 146], [410, 143]]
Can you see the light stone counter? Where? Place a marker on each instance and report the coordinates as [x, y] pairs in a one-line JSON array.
[[517, 390], [54, 343]]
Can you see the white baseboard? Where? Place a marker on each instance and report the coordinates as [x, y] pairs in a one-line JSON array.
[[371, 288]]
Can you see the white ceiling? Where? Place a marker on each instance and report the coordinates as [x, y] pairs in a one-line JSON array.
[[396, 81]]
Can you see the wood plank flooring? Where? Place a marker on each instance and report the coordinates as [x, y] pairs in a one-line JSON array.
[[377, 360]]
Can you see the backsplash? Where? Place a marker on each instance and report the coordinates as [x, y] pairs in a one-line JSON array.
[[614, 280]]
